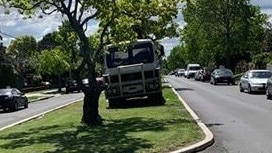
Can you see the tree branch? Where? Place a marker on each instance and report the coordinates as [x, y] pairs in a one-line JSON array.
[[89, 18]]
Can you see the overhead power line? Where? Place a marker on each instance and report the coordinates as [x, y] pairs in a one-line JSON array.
[[8, 35]]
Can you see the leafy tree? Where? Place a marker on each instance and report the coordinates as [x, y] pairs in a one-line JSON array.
[[119, 20], [68, 40], [54, 62], [177, 58], [224, 31], [20, 53], [48, 42]]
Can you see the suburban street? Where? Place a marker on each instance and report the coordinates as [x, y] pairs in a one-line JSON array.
[[7, 118], [240, 122]]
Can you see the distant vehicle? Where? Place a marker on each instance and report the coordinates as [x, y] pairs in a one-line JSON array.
[[254, 80], [198, 75], [180, 72], [222, 75], [12, 99], [269, 88], [191, 70], [72, 86]]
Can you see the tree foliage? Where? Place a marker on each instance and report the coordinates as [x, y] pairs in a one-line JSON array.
[[20, 53], [223, 31], [53, 62], [177, 58]]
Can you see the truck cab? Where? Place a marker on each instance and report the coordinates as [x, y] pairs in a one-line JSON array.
[[133, 72]]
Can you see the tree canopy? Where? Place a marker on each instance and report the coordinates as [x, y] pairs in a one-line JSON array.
[[222, 31], [20, 53]]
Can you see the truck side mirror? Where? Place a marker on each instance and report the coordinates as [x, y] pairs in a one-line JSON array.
[[161, 50]]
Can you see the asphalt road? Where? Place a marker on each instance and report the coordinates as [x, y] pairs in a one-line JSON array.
[[240, 122], [38, 107]]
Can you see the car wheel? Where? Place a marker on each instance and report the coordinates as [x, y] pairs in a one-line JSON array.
[[241, 89], [26, 104], [214, 82], [14, 105], [249, 89], [268, 96]]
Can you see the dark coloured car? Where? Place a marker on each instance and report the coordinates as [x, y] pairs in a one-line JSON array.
[[12, 99], [222, 75], [72, 86]]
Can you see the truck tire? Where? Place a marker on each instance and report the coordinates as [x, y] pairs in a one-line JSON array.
[[157, 98], [113, 103]]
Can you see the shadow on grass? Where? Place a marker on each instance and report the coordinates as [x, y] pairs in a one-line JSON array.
[[113, 137], [139, 102]]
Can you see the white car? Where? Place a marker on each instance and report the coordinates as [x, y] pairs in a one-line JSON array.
[[254, 80], [191, 70]]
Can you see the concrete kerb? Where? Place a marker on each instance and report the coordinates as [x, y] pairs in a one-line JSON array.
[[39, 115], [209, 138]]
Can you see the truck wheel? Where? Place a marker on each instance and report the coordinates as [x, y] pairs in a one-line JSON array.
[[157, 98], [113, 103]]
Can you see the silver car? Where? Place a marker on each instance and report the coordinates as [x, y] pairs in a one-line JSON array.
[[269, 88], [254, 80]]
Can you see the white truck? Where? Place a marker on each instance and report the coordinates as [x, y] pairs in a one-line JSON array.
[[134, 72]]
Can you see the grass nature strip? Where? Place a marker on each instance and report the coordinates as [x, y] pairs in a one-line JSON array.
[[143, 129]]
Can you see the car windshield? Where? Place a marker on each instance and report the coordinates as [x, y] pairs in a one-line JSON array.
[[5, 91], [224, 72], [181, 70], [260, 74], [194, 68], [141, 53]]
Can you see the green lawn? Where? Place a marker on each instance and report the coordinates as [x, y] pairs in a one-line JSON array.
[[142, 129]]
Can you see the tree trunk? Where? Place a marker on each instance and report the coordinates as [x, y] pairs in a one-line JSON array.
[[59, 84], [90, 106]]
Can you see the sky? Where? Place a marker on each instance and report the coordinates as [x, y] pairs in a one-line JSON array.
[[14, 26]]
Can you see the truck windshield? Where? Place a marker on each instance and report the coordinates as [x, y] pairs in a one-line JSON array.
[[140, 53]]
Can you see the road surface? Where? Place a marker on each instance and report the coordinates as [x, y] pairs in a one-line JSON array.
[[240, 122], [38, 107]]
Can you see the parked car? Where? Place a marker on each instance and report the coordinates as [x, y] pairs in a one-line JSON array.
[[191, 70], [198, 75], [254, 80], [12, 99], [222, 75], [72, 86], [269, 88], [180, 72]]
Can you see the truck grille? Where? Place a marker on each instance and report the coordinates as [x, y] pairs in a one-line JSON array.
[[133, 76]]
